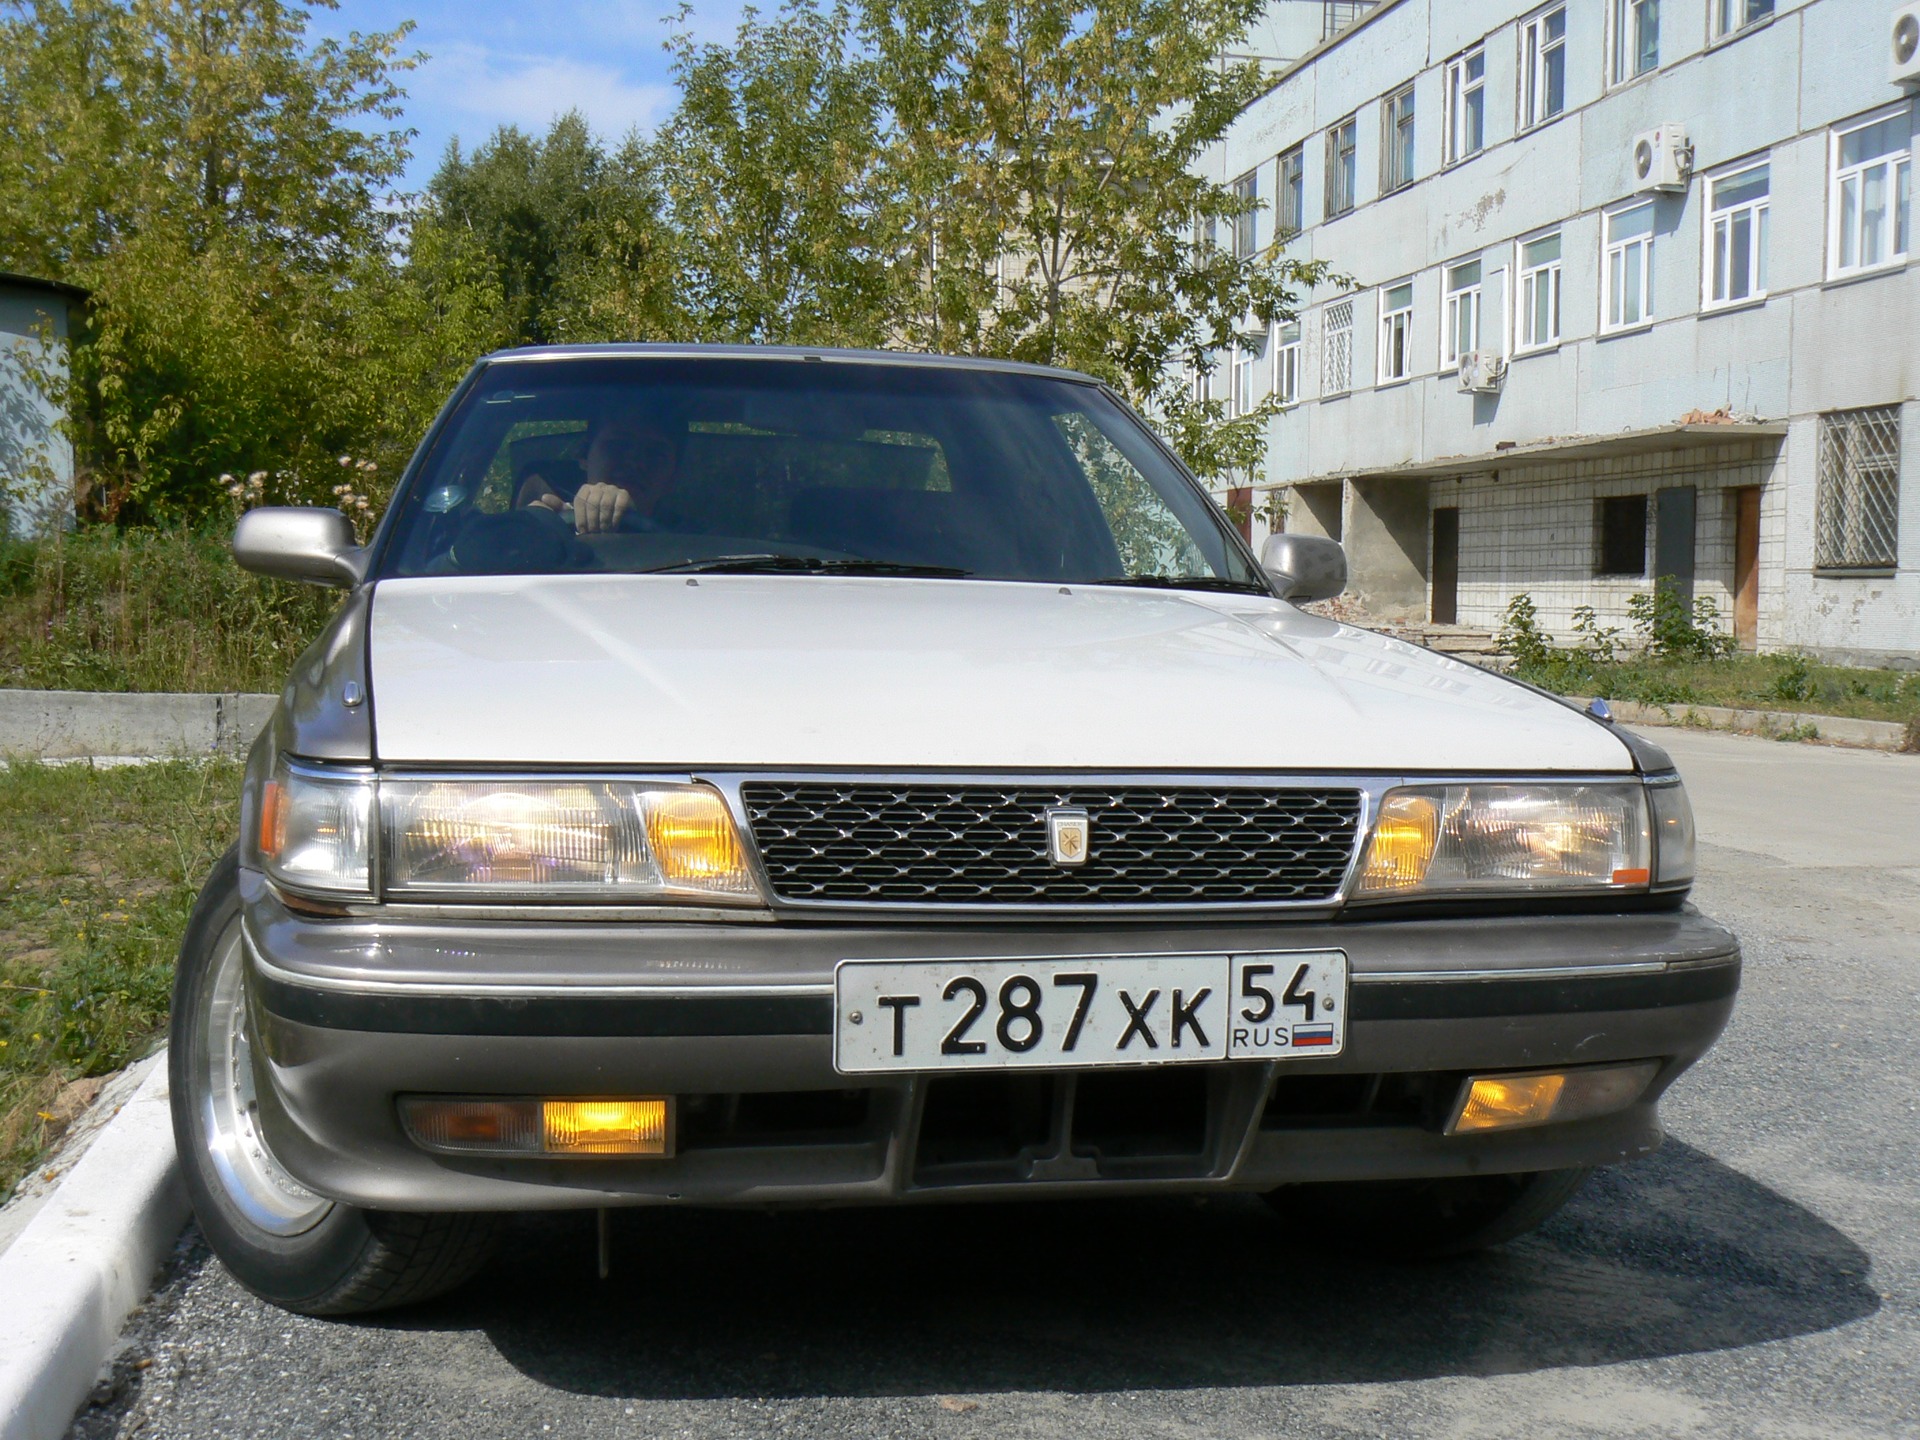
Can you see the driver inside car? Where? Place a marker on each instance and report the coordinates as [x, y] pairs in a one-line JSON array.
[[631, 462]]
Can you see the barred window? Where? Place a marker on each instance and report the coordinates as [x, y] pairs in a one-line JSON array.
[[1336, 352], [1857, 511]]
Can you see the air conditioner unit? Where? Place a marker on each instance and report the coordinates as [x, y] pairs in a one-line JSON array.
[[1481, 372], [1903, 66], [1662, 159]]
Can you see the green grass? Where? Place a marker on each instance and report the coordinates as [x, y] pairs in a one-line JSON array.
[[98, 871], [107, 609], [1747, 682]]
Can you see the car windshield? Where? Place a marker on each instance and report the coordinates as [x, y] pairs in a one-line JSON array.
[[655, 464]]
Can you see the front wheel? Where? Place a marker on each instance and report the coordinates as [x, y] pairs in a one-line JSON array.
[[288, 1245], [1417, 1219]]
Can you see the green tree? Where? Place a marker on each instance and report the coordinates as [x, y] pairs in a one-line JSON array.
[[1050, 153], [574, 236], [217, 180], [772, 169]]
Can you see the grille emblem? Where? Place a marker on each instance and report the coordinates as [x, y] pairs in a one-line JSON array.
[[1068, 831]]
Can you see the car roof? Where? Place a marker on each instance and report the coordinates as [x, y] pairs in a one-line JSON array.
[[658, 351]]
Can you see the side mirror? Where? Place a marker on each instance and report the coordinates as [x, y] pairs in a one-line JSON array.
[[299, 543], [1305, 567]]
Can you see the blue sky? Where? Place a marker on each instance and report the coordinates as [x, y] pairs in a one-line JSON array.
[[497, 63]]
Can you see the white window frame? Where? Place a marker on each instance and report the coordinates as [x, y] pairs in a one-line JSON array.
[[1285, 224], [1623, 17], [1612, 250], [1396, 336], [1459, 298], [1899, 216], [1287, 350], [1397, 115], [1462, 87], [1336, 349], [1720, 21], [1536, 46], [1343, 160], [1246, 223], [1719, 222], [1243, 369], [1528, 291]]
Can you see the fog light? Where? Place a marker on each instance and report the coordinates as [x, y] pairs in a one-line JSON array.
[[605, 1127], [480, 1126], [1508, 1102]]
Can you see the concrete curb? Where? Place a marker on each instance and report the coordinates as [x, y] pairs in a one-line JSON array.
[[66, 724], [1775, 724], [79, 1267]]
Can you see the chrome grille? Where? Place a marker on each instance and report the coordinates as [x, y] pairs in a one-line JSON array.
[[972, 844]]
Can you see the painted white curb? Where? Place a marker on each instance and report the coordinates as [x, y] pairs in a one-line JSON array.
[[71, 1277]]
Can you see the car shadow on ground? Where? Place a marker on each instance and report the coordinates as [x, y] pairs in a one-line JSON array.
[[1674, 1255]]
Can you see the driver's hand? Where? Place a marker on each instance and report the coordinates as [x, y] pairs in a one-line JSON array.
[[599, 507]]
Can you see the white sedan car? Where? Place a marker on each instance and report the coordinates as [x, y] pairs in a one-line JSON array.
[[761, 777]]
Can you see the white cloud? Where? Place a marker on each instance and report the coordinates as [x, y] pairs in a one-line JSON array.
[[470, 83]]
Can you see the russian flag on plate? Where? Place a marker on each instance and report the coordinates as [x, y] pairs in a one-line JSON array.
[[1306, 1036]]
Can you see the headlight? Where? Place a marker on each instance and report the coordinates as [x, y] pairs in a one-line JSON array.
[[562, 840], [316, 829], [1483, 839]]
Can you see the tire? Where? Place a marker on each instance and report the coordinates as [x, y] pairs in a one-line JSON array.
[[1425, 1219], [289, 1246]]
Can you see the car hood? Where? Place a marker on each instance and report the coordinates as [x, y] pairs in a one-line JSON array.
[[858, 673]]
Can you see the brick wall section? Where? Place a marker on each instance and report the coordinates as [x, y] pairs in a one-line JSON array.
[[1535, 529]]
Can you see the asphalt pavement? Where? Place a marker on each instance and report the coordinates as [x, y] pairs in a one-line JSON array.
[[1759, 1276]]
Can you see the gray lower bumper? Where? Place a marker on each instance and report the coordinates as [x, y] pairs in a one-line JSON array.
[[353, 1013]]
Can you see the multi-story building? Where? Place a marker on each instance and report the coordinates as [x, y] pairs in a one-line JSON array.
[[1635, 294]]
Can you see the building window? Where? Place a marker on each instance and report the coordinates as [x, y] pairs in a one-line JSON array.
[[1460, 330], [1627, 271], [1286, 362], [1636, 38], [1243, 395], [1539, 293], [1246, 194], [1543, 67], [1870, 195], [1199, 383], [1466, 105], [1622, 526], [1396, 141], [1293, 191], [1737, 236], [1336, 351], [1730, 16], [1396, 332], [1341, 174], [1857, 507]]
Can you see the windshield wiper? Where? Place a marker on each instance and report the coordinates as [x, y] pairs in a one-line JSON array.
[[805, 565], [1182, 582]]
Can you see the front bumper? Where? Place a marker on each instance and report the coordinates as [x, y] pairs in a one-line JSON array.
[[736, 1019]]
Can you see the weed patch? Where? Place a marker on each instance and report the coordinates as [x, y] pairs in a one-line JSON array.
[[98, 871]]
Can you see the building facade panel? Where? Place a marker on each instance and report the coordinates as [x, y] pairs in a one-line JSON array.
[[1770, 280]]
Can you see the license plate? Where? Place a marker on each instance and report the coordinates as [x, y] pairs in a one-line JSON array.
[[1098, 1011]]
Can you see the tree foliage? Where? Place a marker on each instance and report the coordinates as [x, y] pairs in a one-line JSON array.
[[214, 178], [1017, 178]]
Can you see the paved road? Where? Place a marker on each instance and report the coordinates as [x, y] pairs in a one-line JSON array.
[[1760, 1276]]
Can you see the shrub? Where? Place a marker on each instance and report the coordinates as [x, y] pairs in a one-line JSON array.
[[1671, 629], [106, 609]]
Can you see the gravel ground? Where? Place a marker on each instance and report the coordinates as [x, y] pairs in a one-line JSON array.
[[1760, 1276]]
